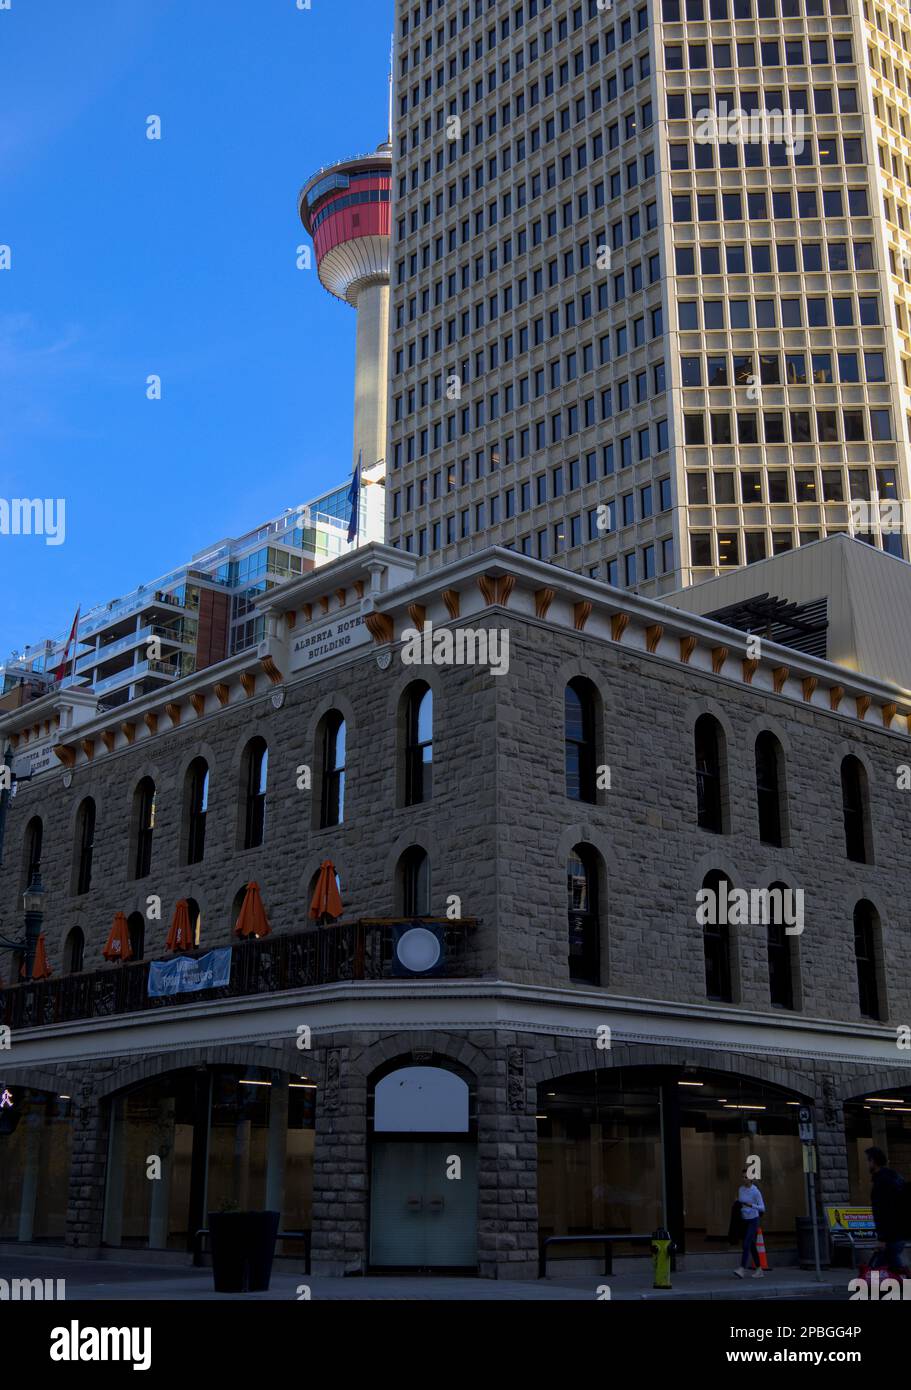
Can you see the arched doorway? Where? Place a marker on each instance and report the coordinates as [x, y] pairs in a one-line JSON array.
[[423, 1170], [207, 1139], [624, 1150]]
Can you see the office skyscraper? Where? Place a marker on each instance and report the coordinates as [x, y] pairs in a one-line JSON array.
[[649, 311]]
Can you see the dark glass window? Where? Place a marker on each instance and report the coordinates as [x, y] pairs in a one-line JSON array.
[[781, 966], [145, 827], [716, 938], [257, 776], [198, 792], [74, 951], [332, 802], [768, 787], [855, 810], [584, 925], [419, 745], [415, 878], [708, 773], [34, 839], [86, 845], [865, 945], [579, 726]]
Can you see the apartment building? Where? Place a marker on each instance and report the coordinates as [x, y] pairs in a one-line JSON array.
[[198, 613], [642, 326]]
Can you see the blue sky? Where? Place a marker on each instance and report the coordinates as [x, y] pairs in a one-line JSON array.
[[177, 257]]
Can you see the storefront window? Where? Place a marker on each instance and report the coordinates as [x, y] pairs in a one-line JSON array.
[[882, 1120], [35, 1137], [203, 1140], [630, 1149]]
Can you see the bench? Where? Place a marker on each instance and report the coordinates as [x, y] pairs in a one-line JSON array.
[[608, 1241], [850, 1227], [202, 1236]]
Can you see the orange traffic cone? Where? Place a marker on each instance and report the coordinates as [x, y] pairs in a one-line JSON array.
[[760, 1249]]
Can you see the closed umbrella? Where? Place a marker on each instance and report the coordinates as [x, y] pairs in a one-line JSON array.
[[180, 936], [252, 920], [326, 901], [118, 945], [41, 970]]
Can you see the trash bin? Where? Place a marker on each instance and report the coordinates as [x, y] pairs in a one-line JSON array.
[[243, 1248], [805, 1255]]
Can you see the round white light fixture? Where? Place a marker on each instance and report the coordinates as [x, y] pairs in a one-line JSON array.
[[418, 950]]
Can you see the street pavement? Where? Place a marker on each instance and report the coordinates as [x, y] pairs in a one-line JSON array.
[[120, 1281]]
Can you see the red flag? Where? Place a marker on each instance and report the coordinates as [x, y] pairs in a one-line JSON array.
[[61, 669]]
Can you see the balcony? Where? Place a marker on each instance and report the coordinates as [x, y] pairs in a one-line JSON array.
[[360, 950]]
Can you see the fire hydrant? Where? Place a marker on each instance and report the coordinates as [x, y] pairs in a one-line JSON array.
[[662, 1249]]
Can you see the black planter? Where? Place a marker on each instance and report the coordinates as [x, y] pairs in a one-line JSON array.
[[243, 1248]]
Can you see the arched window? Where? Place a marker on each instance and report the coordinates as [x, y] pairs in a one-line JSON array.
[[716, 937], [85, 845], [579, 704], [332, 802], [781, 948], [418, 744], [197, 807], [582, 887], [74, 951], [709, 742], [144, 820], [414, 878], [866, 952], [195, 917], [856, 811], [136, 926], [34, 840], [769, 788], [256, 770]]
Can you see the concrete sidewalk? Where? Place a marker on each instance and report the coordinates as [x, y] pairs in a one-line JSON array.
[[114, 1281]]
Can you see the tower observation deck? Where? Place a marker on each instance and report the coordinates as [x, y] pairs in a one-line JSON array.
[[346, 209]]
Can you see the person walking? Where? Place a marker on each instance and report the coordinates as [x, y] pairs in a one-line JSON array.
[[889, 1202], [751, 1208]]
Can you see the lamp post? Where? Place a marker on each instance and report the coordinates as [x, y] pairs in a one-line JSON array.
[[6, 792], [33, 902]]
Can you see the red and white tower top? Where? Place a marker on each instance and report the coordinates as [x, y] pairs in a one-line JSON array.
[[347, 209]]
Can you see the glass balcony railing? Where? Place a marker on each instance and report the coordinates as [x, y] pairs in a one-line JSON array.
[[133, 673], [133, 639]]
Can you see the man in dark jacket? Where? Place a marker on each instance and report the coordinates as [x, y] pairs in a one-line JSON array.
[[888, 1202]]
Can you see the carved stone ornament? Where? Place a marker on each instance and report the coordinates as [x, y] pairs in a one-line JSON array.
[[515, 1079]]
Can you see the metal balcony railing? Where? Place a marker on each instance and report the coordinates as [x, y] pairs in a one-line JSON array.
[[349, 951]]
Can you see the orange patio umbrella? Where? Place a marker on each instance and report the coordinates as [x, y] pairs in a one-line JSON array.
[[326, 901], [252, 920], [41, 970], [180, 936], [118, 946]]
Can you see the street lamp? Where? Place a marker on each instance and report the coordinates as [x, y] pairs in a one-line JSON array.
[[33, 902]]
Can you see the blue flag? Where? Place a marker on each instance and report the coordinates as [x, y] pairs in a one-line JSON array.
[[354, 498]]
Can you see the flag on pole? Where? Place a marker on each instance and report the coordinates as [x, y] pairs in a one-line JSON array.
[[354, 497], [61, 669]]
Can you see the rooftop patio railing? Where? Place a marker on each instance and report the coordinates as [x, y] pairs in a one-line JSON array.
[[348, 951]]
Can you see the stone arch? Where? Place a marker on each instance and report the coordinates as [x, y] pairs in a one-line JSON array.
[[160, 1064], [754, 1067]]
